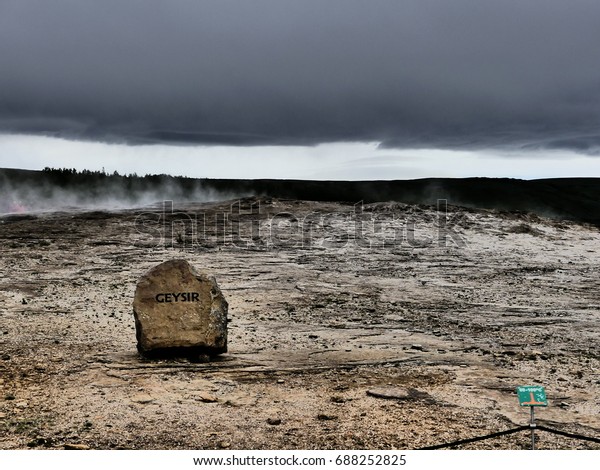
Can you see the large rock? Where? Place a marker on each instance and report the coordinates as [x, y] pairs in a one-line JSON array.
[[179, 312]]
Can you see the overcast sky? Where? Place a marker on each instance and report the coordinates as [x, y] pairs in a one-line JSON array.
[[337, 89]]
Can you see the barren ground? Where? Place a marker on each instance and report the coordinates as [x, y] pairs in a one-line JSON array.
[[447, 326]]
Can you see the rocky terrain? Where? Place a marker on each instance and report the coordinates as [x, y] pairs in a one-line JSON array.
[[351, 327]]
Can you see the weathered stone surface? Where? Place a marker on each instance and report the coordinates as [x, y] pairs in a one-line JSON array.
[[395, 393], [179, 311], [390, 393], [142, 399], [204, 397], [76, 447]]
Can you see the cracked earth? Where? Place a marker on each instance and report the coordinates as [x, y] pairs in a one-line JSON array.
[[378, 327]]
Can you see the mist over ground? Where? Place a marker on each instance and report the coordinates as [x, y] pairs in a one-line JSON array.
[[60, 189], [576, 199]]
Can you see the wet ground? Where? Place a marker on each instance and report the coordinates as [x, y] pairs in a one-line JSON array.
[[352, 327]]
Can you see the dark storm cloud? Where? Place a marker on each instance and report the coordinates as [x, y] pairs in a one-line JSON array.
[[408, 73]]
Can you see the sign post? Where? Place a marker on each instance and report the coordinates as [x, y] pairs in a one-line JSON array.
[[532, 396]]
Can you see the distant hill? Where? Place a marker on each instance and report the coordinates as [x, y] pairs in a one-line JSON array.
[[576, 199]]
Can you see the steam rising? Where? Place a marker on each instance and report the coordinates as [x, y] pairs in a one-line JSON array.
[[22, 192]]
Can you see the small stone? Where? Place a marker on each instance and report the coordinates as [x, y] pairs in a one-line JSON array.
[[200, 359], [281, 381], [205, 397], [5, 357], [40, 441], [21, 404], [76, 447], [389, 393], [274, 421], [338, 399], [142, 399], [534, 355], [2, 415], [224, 445], [326, 417]]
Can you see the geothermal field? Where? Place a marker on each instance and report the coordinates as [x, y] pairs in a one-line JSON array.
[[374, 326]]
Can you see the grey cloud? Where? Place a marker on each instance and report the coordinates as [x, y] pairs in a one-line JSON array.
[[411, 73]]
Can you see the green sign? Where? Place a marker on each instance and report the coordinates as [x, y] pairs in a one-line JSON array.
[[532, 395]]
